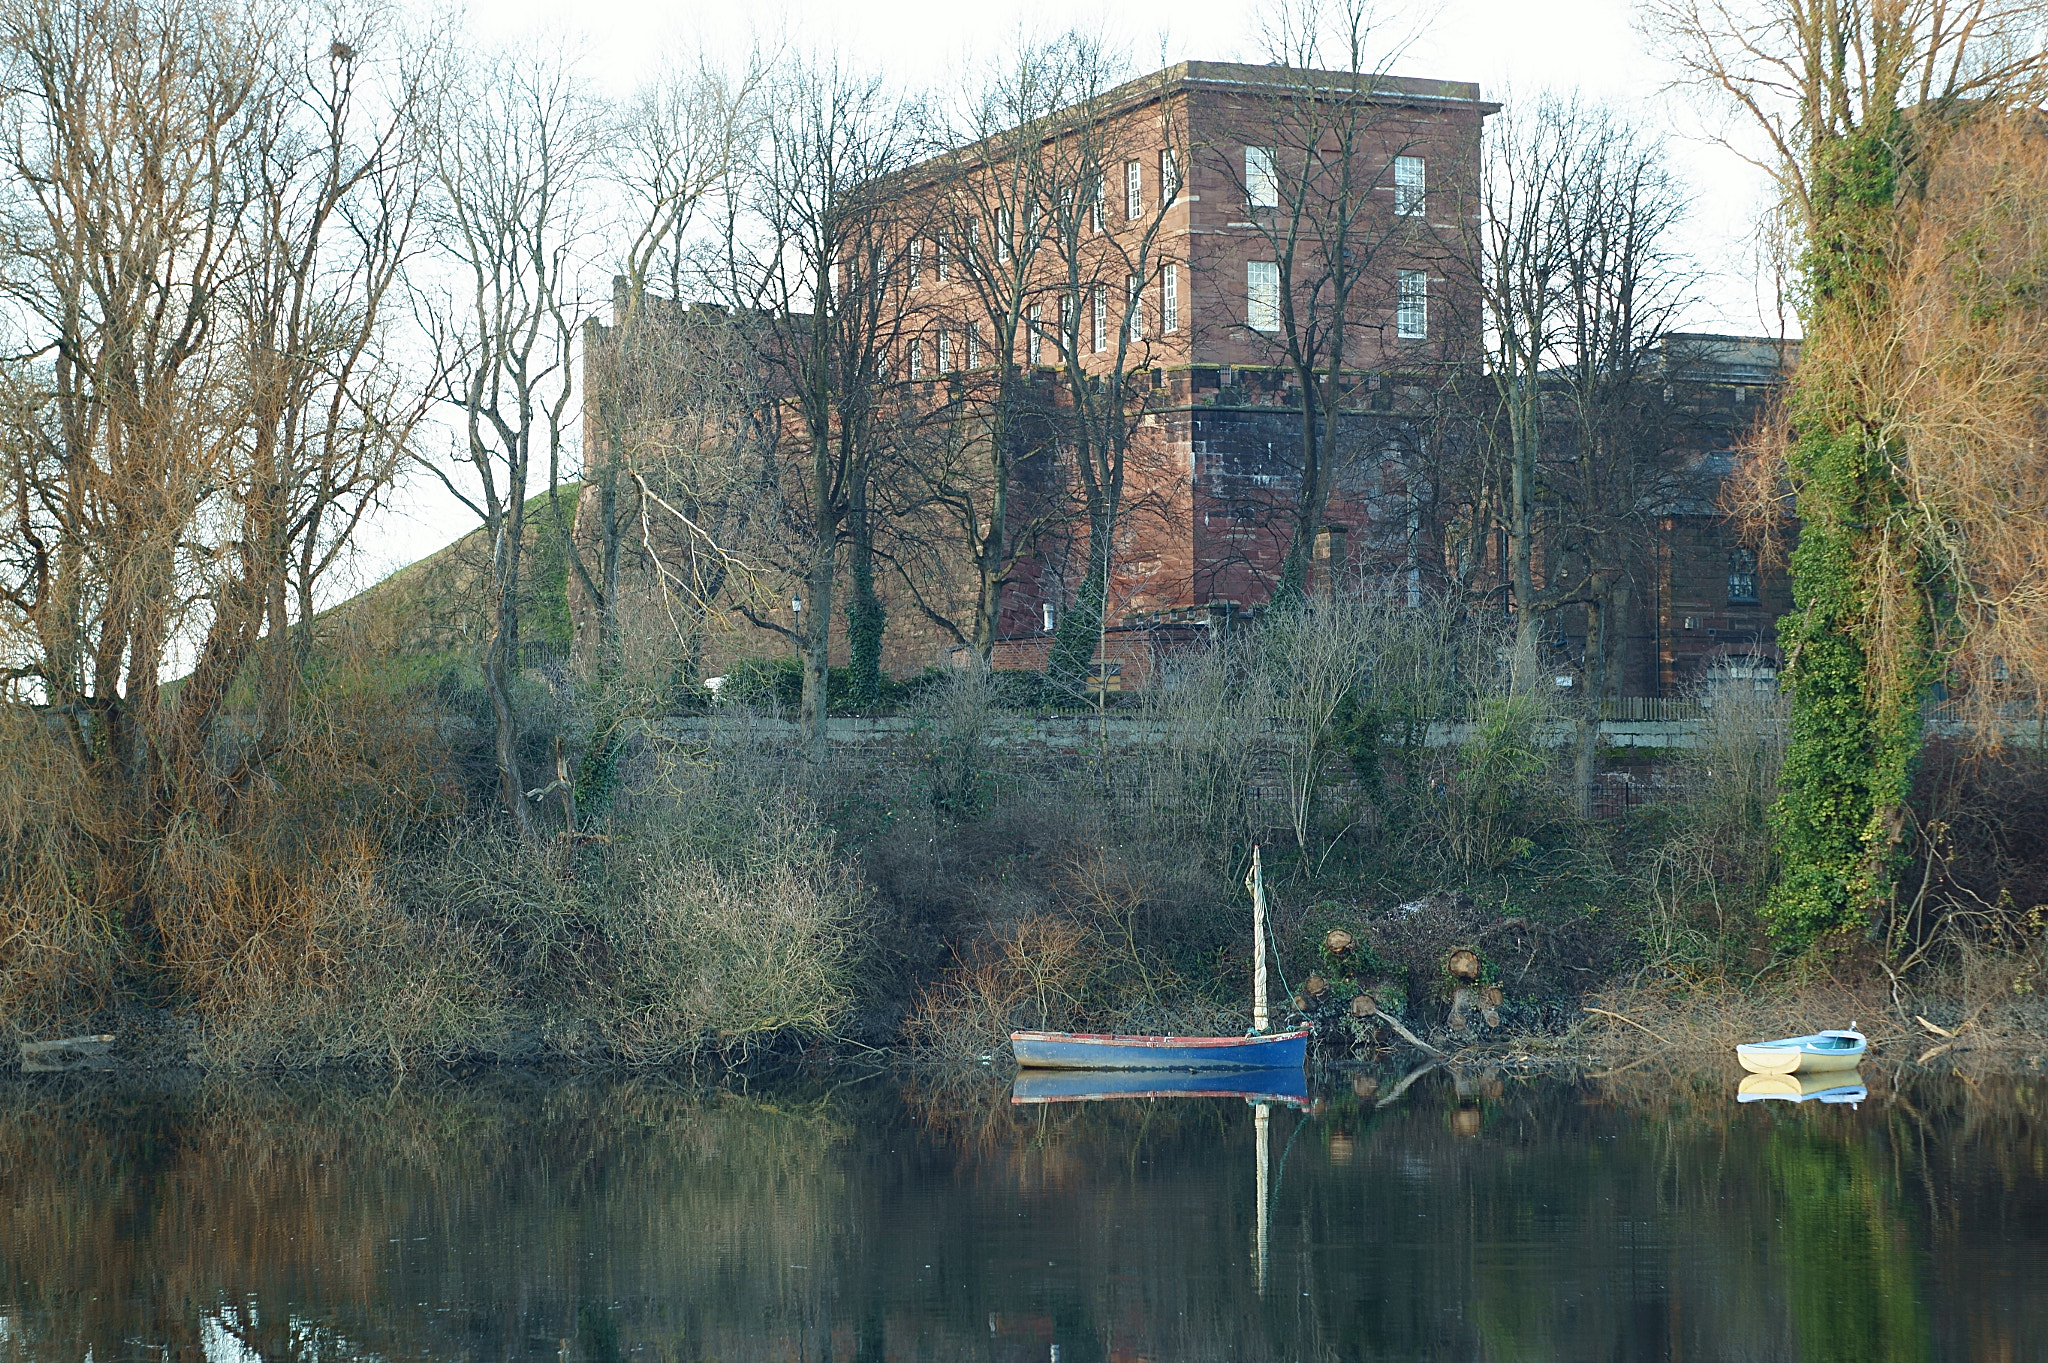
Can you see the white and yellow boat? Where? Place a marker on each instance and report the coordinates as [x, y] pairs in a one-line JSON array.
[[1820, 1053], [1828, 1086]]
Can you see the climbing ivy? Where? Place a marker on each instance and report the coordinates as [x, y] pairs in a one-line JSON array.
[[1858, 642]]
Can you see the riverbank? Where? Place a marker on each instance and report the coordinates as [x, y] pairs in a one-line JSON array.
[[711, 893]]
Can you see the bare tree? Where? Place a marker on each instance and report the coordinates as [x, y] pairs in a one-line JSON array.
[[667, 150], [991, 216], [1620, 293], [820, 260], [205, 215], [1332, 218], [1100, 265], [514, 142]]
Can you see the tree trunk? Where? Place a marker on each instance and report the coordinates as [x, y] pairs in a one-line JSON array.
[[816, 641], [1315, 485], [1523, 418], [865, 617], [501, 665]]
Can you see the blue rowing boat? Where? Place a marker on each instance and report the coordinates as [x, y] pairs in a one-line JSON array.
[[1287, 1086], [1257, 1049], [1095, 1051]]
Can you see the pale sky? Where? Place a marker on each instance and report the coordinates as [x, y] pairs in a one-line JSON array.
[[1515, 49]]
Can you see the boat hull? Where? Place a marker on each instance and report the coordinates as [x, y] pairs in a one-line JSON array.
[[1802, 1055], [1088, 1051]]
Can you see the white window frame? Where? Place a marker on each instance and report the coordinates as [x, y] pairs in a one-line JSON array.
[[917, 262], [1169, 299], [1134, 190], [1134, 305], [945, 351], [939, 254], [1411, 306], [1262, 295], [1095, 202], [974, 345], [1410, 186], [1070, 326], [1101, 319], [1261, 177], [916, 360], [1003, 225], [1169, 177], [1034, 335]]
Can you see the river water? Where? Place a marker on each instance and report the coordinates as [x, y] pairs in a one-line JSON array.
[[906, 1216]]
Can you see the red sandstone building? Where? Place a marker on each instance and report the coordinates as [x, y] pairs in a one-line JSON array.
[[1142, 244]]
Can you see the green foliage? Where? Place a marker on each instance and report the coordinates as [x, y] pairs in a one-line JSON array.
[[1075, 637], [544, 616], [866, 621], [1498, 782], [1859, 642], [780, 682]]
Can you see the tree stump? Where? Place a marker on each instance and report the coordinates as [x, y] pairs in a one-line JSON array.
[[1339, 942], [1462, 964]]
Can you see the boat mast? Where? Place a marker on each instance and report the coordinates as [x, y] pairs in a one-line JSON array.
[[1259, 1014]]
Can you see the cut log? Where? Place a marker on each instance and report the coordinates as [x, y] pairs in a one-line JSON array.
[[1364, 1006], [1463, 963], [1339, 942], [71, 1053], [1314, 985]]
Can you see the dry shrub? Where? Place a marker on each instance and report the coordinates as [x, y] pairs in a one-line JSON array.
[[1969, 374], [250, 899], [1101, 958], [59, 912], [1705, 882]]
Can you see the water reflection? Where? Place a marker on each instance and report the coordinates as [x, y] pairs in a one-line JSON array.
[[1448, 1213]]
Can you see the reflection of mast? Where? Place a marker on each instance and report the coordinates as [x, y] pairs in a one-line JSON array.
[[1260, 1120]]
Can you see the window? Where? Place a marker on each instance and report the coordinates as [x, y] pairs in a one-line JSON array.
[[1411, 314], [1741, 575], [1169, 177], [945, 352], [1408, 185], [1033, 333], [974, 345], [1261, 181], [1134, 310], [1101, 318], [939, 251], [1002, 236], [917, 359], [1068, 340], [1095, 206], [1262, 295], [916, 262], [1169, 299], [1134, 190]]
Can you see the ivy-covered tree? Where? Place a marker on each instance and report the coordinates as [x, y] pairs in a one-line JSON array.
[[1855, 99]]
